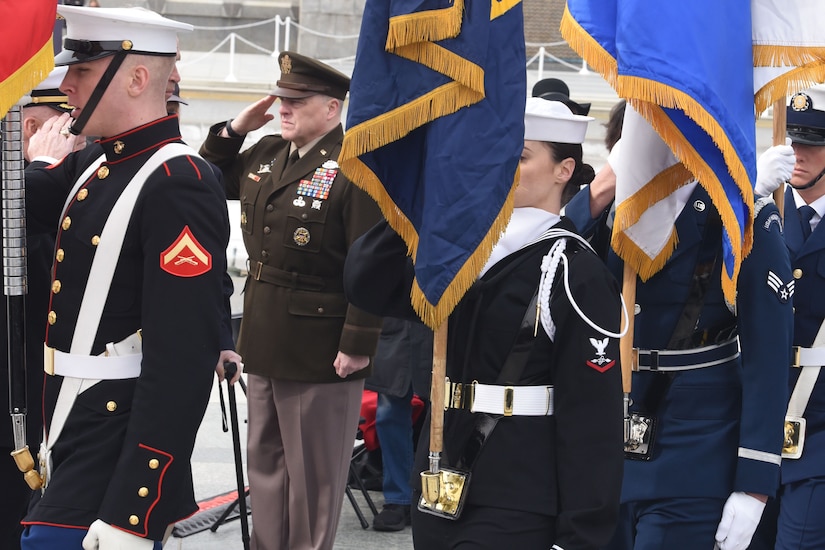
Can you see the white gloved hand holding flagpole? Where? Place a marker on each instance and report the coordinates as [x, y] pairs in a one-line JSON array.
[[773, 168]]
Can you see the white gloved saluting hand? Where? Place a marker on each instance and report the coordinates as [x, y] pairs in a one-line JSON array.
[[740, 517], [102, 536], [773, 168]]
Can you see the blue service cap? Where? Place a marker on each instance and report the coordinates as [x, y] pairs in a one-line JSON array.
[[806, 116]]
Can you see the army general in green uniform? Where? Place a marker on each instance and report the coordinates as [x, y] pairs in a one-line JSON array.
[[306, 349]]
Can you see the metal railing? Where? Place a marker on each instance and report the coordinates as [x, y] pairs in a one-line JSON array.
[[283, 35]]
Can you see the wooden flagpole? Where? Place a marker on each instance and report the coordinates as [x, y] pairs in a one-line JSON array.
[[779, 121]]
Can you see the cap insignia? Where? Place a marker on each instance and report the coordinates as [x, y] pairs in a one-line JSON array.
[[286, 64], [801, 102]]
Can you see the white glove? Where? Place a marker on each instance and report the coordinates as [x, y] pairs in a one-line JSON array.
[[773, 168], [102, 536], [740, 516]]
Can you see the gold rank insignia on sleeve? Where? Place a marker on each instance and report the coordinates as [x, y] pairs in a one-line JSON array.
[[186, 257]]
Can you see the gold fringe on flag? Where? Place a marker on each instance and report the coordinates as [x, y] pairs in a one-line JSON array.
[[645, 96], [589, 49], [774, 55], [693, 161], [425, 26], [434, 314], [445, 62], [788, 84], [393, 125], [630, 211], [24, 79], [640, 90], [500, 7], [412, 37], [431, 314]]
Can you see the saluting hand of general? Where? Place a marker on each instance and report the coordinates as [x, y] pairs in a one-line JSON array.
[[254, 116], [346, 364]]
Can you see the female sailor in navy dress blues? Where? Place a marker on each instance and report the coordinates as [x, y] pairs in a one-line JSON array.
[[137, 303], [549, 474], [714, 454]]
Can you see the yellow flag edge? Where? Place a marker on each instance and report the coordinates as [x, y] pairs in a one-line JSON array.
[[24, 79]]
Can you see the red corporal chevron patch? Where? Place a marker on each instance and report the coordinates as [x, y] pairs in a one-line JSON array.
[[186, 257]]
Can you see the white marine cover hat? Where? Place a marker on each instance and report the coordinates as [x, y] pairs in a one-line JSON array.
[[93, 33], [553, 121]]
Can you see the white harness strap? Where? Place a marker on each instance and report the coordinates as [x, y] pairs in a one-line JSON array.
[[97, 287], [108, 251], [805, 383]]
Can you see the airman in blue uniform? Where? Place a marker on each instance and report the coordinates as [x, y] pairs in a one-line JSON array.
[[802, 494], [709, 385]]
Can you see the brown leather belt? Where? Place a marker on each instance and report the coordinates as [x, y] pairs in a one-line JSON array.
[[290, 279]]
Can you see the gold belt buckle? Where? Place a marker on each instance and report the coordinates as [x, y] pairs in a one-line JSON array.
[[794, 437], [48, 360], [458, 395], [257, 271], [797, 357], [508, 400]]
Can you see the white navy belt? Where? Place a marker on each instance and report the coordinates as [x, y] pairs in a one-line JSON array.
[[120, 361], [504, 400], [808, 357], [686, 359]]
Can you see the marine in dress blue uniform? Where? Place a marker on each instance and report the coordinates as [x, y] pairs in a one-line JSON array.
[[120, 466], [802, 495], [718, 426]]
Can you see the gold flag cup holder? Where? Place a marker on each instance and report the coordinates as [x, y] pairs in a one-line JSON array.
[[443, 492]]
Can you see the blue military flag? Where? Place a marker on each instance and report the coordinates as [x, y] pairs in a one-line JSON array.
[[694, 72], [435, 129], [687, 69]]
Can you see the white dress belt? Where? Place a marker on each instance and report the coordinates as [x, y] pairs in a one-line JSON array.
[[808, 357], [504, 400], [120, 361]]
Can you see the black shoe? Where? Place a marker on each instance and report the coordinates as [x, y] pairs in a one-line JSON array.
[[393, 517]]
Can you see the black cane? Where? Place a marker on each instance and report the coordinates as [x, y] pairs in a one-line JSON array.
[[230, 369]]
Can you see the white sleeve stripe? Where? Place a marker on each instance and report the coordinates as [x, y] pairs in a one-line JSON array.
[[761, 456]]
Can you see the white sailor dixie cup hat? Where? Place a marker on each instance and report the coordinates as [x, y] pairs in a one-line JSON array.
[[93, 33], [806, 116], [553, 121]]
